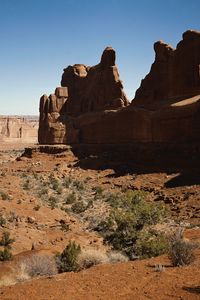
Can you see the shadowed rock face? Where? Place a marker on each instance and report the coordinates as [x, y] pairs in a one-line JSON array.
[[91, 107], [84, 90], [94, 88], [174, 75]]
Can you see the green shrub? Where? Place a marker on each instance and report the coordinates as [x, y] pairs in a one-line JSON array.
[[5, 240], [5, 254], [67, 181], [78, 184], [52, 202], [129, 219], [67, 260], [79, 207], [150, 244]]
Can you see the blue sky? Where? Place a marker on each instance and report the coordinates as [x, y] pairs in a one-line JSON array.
[[41, 37]]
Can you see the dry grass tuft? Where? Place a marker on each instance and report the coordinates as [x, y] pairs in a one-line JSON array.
[[91, 257]]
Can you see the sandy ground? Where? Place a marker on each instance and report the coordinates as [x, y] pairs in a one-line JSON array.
[[132, 280]]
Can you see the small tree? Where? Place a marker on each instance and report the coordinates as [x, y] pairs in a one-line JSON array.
[[67, 260], [6, 242]]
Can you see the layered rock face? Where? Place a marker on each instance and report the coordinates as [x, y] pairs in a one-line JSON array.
[[18, 129], [174, 75], [84, 90], [91, 107]]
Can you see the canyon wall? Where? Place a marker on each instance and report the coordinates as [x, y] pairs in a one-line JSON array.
[[91, 107], [17, 129]]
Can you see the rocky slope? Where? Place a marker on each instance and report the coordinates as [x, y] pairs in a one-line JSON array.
[[28, 187]]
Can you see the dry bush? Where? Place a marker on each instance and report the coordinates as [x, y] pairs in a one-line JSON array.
[[117, 257], [181, 251], [91, 257], [39, 265]]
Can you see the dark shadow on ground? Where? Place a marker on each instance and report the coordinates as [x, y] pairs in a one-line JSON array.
[[137, 159], [194, 290], [184, 179]]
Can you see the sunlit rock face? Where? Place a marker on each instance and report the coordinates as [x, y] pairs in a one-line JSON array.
[[18, 129]]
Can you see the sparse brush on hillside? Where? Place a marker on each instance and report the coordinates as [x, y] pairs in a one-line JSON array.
[[128, 226]]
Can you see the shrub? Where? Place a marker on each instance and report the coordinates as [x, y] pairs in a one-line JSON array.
[[98, 191], [43, 191], [37, 207], [150, 244], [5, 240], [5, 254], [64, 227], [79, 207], [79, 185], [129, 219], [39, 265], [2, 221], [26, 185], [117, 257], [181, 252], [67, 260], [4, 196], [52, 202], [67, 181], [91, 257], [71, 198], [55, 185]]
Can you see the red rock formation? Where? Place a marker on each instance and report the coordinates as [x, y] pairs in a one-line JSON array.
[[84, 89], [94, 88], [92, 108], [174, 75]]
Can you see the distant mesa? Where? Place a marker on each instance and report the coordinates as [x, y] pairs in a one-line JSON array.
[[19, 129], [91, 107]]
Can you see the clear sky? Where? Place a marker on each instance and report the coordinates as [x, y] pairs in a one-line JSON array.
[[41, 37]]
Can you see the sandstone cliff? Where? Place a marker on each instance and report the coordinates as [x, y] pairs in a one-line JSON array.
[[16, 129], [84, 90], [91, 107]]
